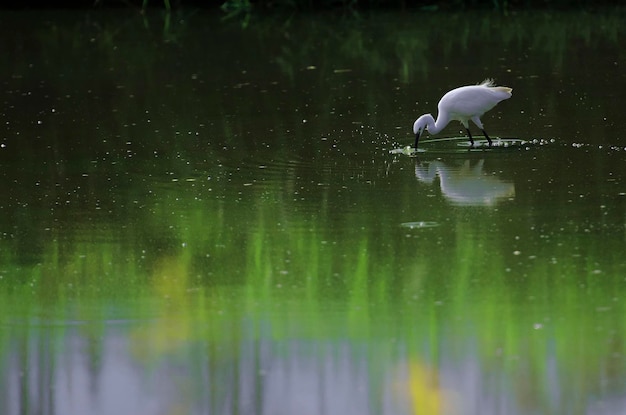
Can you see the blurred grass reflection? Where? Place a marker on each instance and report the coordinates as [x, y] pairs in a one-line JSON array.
[[218, 289]]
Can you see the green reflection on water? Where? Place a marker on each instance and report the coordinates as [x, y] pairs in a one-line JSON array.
[[196, 218], [433, 297]]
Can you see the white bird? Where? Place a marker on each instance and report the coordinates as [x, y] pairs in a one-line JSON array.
[[463, 104]]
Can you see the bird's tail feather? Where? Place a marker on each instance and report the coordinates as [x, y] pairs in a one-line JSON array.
[[504, 89], [491, 84]]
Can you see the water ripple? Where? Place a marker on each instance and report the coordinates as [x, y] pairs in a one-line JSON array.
[[420, 224]]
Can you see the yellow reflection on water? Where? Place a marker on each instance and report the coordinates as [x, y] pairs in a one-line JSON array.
[[171, 328], [426, 393]]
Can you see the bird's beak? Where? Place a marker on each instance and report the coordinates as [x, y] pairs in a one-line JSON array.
[[417, 139]]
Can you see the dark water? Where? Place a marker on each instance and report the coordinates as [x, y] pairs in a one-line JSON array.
[[200, 218]]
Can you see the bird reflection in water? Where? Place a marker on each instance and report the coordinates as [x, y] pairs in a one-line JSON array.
[[466, 184]]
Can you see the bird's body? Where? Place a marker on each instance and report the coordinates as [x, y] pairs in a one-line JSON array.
[[463, 104]]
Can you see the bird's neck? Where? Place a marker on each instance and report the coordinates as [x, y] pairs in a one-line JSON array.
[[435, 126]]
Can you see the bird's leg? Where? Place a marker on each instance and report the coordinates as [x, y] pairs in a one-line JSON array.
[[470, 137], [487, 137]]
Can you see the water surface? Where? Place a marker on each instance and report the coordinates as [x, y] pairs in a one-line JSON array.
[[201, 218]]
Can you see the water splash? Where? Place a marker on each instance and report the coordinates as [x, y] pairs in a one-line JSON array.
[[462, 144]]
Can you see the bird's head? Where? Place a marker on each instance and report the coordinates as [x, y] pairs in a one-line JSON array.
[[420, 125]]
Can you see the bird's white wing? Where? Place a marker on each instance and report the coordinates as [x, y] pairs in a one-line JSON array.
[[468, 101]]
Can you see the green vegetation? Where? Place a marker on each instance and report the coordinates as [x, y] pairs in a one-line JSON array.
[[245, 6], [247, 9], [419, 4]]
